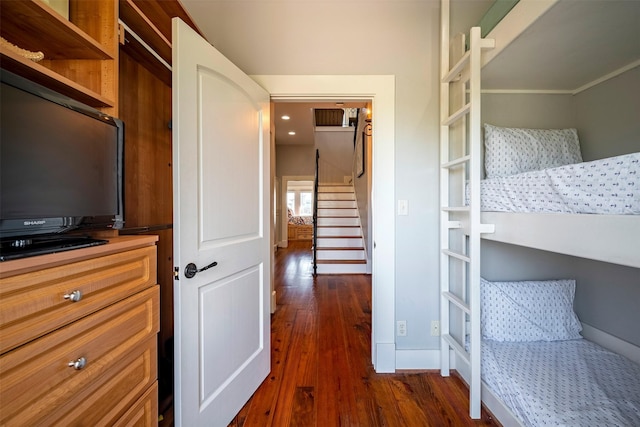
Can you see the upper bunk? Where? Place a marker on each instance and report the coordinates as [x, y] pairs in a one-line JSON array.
[[564, 47]]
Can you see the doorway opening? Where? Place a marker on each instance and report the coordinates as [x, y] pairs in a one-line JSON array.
[[330, 141], [380, 89]]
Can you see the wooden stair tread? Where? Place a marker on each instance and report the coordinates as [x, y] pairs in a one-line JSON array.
[[339, 237], [347, 248], [341, 261]]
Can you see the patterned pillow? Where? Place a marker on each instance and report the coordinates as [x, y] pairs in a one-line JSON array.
[[509, 151], [528, 311]]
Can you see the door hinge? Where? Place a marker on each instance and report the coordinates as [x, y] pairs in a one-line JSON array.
[[176, 273]]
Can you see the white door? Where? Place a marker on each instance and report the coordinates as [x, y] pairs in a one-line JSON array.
[[221, 215]]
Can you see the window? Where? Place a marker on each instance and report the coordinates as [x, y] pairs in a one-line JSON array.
[[300, 201], [291, 200], [306, 203]]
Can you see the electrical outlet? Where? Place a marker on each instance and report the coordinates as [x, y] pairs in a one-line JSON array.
[[401, 328], [435, 328]]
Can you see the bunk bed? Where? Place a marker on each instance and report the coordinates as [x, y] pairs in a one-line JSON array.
[[501, 63]]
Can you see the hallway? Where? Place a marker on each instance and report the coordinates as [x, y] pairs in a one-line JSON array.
[[321, 373]]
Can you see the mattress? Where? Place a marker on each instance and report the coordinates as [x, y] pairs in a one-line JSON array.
[[563, 383], [608, 186], [301, 220]]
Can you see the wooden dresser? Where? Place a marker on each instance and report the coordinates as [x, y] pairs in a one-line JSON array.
[[300, 232], [78, 342]]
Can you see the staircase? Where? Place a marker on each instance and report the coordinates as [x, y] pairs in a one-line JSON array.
[[339, 243]]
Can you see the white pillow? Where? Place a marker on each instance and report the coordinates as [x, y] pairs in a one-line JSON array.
[[509, 151], [528, 311]]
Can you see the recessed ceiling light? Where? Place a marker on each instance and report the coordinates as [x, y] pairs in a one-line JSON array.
[[292, 133], [285, 117]]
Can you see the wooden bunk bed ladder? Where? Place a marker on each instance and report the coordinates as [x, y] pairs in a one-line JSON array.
[[461, 227]]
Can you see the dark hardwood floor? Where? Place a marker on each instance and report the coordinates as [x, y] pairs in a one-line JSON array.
[[321, 372]]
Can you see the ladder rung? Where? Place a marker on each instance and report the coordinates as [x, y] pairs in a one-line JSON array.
[[457, 301], [456, 255], [464, 60], [456, 162], [455, 208], [453, 72], [454, 344], [457, 115], [487, 43], [454, 224]]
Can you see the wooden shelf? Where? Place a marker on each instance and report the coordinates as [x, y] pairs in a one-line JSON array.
[[31, 19], [136, 20], [42, 75], [80, 53]]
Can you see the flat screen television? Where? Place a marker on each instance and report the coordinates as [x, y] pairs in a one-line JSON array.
[[61, 170]]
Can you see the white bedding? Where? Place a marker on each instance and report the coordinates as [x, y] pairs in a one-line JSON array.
[[563, 383], [607, 186]]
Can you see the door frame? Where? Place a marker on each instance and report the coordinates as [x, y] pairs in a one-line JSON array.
[[380, 89]]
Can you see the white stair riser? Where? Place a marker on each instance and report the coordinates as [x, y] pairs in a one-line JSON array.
[[341, 269], [322, 212], [338, 254], [353, 222], [336, 196], [328, 204], [332, 242], [338, 231], [335, 189]]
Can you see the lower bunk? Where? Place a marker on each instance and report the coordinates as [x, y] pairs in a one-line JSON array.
[[542, 367], [568, 383]]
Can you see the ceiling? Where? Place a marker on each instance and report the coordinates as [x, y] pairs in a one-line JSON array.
[[301, 120]]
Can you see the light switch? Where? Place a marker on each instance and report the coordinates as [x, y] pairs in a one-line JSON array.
[[403, 207]]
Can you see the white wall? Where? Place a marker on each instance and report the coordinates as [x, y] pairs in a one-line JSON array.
[[336, 154], [608, 117]]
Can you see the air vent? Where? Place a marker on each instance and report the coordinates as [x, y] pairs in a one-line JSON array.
[[329, 116]]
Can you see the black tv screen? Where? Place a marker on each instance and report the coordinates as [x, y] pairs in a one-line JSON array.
[[61, 163]]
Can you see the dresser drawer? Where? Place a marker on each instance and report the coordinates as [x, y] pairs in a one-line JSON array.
[[144, 412], [119, 344], [33, 304]]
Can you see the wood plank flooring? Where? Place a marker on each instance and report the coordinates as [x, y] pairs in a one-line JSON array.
[[321, 372]]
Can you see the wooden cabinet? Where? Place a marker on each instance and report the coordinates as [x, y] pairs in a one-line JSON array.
[[92, 361]]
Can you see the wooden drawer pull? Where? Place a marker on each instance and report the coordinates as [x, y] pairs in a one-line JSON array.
[[78, 364], [74, 296]]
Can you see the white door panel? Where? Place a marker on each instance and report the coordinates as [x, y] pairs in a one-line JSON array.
[[233, 156], [221, 158]]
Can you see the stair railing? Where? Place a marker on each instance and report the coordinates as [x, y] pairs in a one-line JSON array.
[[315, 217]]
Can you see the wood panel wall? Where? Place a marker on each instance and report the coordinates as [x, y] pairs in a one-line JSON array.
[[145, 108]]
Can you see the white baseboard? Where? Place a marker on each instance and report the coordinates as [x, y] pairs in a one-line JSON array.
[[385, 361], [418, 359], [273, 302]]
